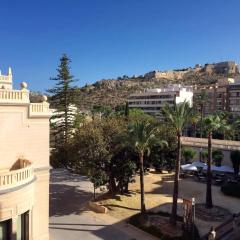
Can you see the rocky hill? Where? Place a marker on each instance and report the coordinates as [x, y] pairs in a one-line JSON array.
[[114, 92]]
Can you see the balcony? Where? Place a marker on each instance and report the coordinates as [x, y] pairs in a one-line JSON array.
[[15, 178], [21, 97], [14, 96], [39, 109]]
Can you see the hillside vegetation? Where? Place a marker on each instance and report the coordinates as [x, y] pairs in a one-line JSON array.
[[114, 92]]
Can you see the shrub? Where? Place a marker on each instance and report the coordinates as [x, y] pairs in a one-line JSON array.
[[217, 156], [231, 189], [235, 158], [205, 155], [188, 154]]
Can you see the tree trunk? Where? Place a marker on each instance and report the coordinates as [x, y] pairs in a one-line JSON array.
[[209, 203], [112, 188], [201, 132], [236, 167], [143, 208], [195, 130], [66, 118], [173, 218], [94, 192], [65, 143]]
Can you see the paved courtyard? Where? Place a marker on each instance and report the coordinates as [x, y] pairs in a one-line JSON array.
[[71, 220]]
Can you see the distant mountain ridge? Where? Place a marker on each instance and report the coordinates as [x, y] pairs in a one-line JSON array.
[[114, 92]]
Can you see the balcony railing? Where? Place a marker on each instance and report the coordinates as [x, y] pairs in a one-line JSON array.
[[39, 109], [14, 96], [16, 178], [4, 78]]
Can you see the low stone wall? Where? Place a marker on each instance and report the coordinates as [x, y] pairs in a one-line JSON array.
[[96, 207]]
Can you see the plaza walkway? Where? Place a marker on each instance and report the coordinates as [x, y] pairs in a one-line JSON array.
[[71, 220]]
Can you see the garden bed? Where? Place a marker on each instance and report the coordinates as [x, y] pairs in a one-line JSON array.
[[214, 214], [158, 225]]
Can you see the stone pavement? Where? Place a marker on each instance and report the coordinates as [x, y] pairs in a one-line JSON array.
[[71, 220]]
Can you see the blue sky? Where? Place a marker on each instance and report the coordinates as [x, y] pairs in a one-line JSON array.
[[109, 38]]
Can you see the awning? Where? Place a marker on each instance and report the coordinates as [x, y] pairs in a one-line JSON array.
[[199, 164], [188, 167], [223, 168]]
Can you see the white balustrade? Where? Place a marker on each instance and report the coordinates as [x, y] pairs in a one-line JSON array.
[[14, 96], [16, 178], [38, 109], [4, 78]]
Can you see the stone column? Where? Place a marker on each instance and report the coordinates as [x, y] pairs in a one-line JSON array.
[[14, 228], [30, 224]]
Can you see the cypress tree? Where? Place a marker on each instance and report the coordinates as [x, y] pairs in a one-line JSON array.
[[63, 96]]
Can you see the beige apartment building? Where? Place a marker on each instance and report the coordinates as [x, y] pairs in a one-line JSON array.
[[24, 164], [222, 96], [234, 98]]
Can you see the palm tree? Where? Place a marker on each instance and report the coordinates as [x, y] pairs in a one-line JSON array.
[[212, 123], [195, 121], [178, 116], [236, 127], [201, 100], [141, 137], [227, 130]]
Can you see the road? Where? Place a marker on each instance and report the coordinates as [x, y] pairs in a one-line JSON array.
[[71, 220]]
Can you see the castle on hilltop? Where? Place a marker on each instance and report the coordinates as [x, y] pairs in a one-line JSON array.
[[229, 67], [225, 68]]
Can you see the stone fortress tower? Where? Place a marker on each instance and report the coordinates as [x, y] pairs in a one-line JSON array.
[[24, 164]]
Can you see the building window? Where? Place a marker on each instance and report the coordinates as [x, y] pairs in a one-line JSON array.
[[5, 230], [23, 227]]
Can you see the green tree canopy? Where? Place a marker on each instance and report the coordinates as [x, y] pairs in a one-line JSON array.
[[217, 156], [141, 137], [177, 116], [188, 154], [62, 97], [212, 123]]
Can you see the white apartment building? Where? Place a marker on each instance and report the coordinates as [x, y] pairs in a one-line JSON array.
[[153, 100]]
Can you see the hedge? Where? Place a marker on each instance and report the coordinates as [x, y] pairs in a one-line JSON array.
[[231, 189]]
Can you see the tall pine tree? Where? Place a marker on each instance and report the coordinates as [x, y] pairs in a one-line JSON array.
[[63, 96]]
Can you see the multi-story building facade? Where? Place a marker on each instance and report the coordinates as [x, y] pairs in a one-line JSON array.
[[24, 164], [223, 96], [153, 100], [217, 98], [234, 99]]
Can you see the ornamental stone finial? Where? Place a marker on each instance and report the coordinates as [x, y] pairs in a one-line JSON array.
[[23, 85], [44, 98], [9, 71]]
